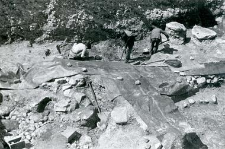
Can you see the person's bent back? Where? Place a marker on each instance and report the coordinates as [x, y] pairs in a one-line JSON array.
[[78, 51]]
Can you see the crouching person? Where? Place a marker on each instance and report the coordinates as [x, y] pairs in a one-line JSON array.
[[80, 51]]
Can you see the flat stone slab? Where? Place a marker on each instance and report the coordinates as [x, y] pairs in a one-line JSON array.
[[202, 33]]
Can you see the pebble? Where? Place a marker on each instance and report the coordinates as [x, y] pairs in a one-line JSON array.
[[119, 78], [189, 78], [203, 101], [26, 141], [208, 81], [182, 73], [191, 101], [215, 80], [28, 137], [33, 134], [214, 99], [84, 69], [32, 128], [138, 82], [69, 64], [13, 117], [45, 118], [185, 105], [192, 58], [26, 133], [24, 114]]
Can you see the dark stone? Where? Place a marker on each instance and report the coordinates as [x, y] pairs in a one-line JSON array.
[[192, 141], [178, 88], [1, 98], [174, 63], [41, 106]]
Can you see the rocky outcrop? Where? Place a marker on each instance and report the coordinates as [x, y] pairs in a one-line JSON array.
[[177, 32]]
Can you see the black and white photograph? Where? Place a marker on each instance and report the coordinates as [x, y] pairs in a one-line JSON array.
[[112, 74]]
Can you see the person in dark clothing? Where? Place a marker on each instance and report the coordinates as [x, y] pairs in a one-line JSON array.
[[128, 37], [155, 39]]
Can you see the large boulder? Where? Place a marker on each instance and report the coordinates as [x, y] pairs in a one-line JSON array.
[[202, 33], [177, 32]]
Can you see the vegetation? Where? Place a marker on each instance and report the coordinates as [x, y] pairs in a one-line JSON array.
[[103, 12]]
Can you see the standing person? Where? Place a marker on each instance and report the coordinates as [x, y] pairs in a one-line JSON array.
[[155, 39], [79, 51], [128, 37], [33, 33]]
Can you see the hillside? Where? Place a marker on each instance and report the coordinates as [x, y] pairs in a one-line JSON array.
[[97, 20]]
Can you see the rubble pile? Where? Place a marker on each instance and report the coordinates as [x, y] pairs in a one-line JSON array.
[[201, 81]]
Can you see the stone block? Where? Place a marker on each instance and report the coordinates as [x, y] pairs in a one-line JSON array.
[[71, 134]]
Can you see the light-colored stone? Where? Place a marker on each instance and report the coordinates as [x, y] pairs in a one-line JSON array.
[[202, 33], [153, 142], [79, 96], [137, 82], [208, 81], [69, 64], [215, 80], [4, 110], [189, 78], [182, 74], [65, 87], [120, 115], [119, 78], [214, 99], [62, 105], [36, 117], [77, 80], [146, 50], [84, 69], [185, 104], [191, 101], [201, 81], [85, 140], [192, 58], [10, 124], [177, 32], [68, 93]]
